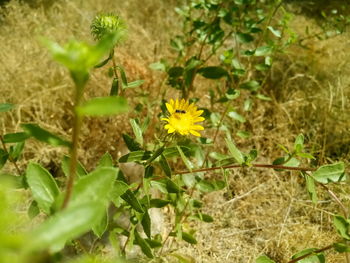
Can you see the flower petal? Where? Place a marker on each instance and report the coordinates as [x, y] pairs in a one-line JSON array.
[[169, 108], [195, 133], [197, 127], [197, 119]]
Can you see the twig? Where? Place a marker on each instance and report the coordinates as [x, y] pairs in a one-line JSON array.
[[309, 254]]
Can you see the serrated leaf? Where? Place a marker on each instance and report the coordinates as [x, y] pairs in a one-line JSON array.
[[44, 135], [330, 173], [236, 154], [103, 106], [66, 225], [42, 185], [16, 137], [343, 226]]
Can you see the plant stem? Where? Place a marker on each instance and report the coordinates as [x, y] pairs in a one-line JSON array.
[[10, 158], [305, 169], [313, 252]]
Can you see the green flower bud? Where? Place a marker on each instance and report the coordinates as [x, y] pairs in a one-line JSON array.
[[104, 24]]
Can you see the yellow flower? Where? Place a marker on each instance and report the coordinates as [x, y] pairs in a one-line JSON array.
[[183, 118]]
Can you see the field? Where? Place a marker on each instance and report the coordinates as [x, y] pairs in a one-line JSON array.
[[259, 211]]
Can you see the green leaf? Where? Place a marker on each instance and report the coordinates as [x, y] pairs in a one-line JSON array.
[[66, 225], [171, 187], [189, 238], [310, 186], [146, 224], [6, 107], [101, 227], [131, 143], [165, 166], [252, 85], [343, 226], [245, 38], [131, 199], [16, 137], [135, 156], [171, 152], [158, 66], [145, 247], [205, 186], [44, 135], [234, 115], [66, 166], [105, 161], [119, 188], [276, 32], [16, 151], [263, 97], [134, 84], [286, 161], [299, 143], [232, 94], [97, 185], [264, 259], [235, 153], [330, 173], [313, 258], [137, 131], [184, 159], [159, 203], [115, 87], [243, 134], [42, 185], [103, 106], [263, 51], [3, 157], [213, 72], [341, 247], [33, 210], [203, 217]]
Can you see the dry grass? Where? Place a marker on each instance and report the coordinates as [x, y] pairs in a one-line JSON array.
[[262, 211]]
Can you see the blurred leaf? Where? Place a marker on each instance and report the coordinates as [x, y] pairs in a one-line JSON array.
[[184, 159], [245, 38], [131, 143], [165, 166], [203, 217], [183, 258], [263, 51], [66, 225], [171, 152], [276, 32], [310, 186], [263, 97], [105, 161], [115, 87], [146, 224], [96, 186], [234, 115], [131, 199], [286, 161], [252, 85], [299, 143], [155, 155], [135, 156], [33, 210], [103, 106], [137, 131], [234, 151], [264, 259], [243, 134], [134, 84], [159, 203], [330, 173], [66, 166], [6, 107], [42, 185], [213, 72], [342, 225], [44, 135], [145, 248], [205, 186], [16, 151], [100, 228], [171, 187], [119, 188], [189, 238], [3, 157], [341, 247], [16, 137], [158, 66], [232, 94]]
